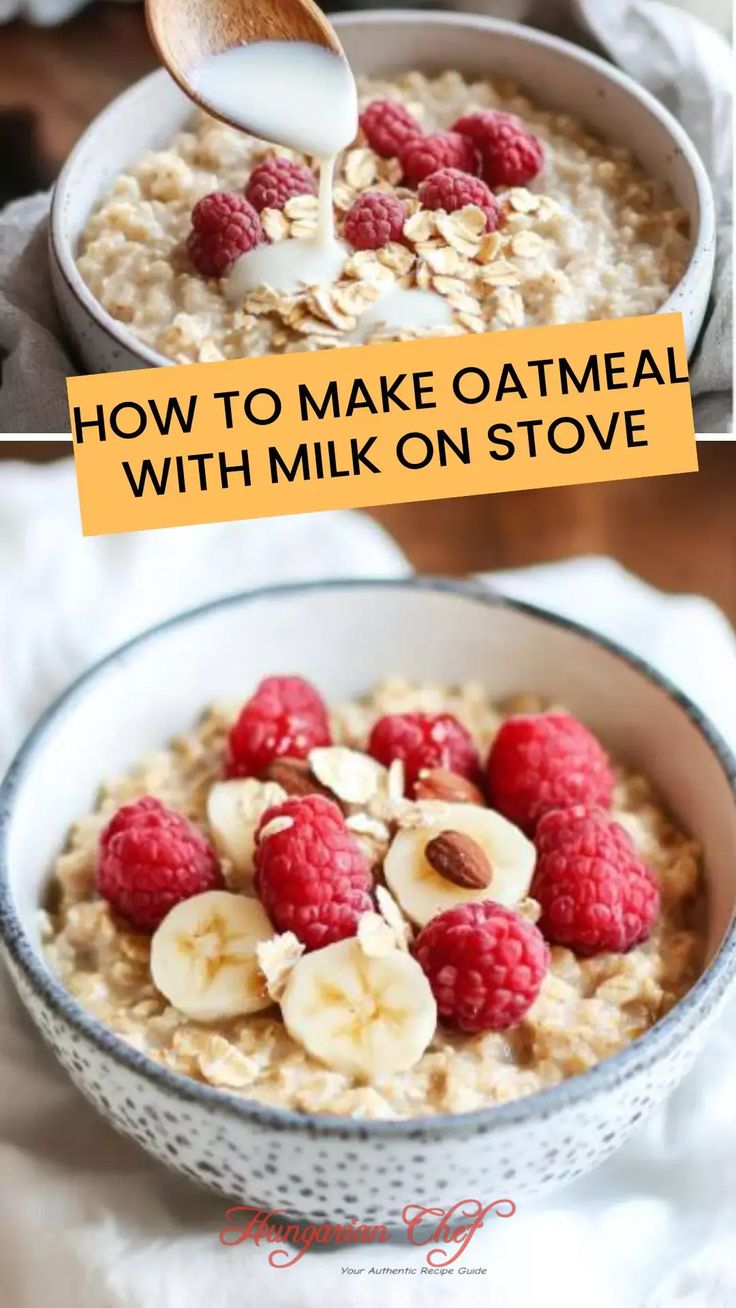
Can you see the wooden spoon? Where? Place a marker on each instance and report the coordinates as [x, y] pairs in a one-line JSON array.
[[185, 32]]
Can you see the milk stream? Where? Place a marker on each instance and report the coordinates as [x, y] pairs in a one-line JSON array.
[[300, 95]]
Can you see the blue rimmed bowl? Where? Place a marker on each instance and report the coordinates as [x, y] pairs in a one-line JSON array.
[[345, 636]]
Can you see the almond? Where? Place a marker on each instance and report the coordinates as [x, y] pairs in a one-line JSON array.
[[458, 858], [295, 776], [441, 783]]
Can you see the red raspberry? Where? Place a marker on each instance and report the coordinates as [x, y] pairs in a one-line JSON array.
[[546, 760], [510, 155], [424, 740], [274, 182], [485, 965], [312, 877], [285, 718], [451, 189], [373, 220], [422, 155], [595, 893], [224, 226], [151, 858], [558, 826], [387, 126]]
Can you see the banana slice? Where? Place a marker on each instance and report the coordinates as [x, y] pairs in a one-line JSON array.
[[234, 809], [203, 956], [367, 1017], [423, 892]]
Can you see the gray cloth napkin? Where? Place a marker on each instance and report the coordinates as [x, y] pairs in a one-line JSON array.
[[35, 363], [675, 55], [689, 68]]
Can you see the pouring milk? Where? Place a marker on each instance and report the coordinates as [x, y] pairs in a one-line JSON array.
[[301, 95]]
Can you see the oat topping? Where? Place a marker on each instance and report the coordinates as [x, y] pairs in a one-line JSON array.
[[276, 958], [273, 827], [375, 936], [350, 775]]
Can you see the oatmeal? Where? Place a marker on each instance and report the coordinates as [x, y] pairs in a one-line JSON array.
[[585, 1004], [590, 237]]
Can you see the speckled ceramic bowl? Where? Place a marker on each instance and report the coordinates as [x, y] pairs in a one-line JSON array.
[[339, 1168], [383, 42]]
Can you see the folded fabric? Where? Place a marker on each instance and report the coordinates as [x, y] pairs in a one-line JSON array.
[[681, 60], [35, 363], [653, 1226], [688, 67]]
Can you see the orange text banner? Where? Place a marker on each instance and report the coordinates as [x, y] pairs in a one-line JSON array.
[[382, 424]]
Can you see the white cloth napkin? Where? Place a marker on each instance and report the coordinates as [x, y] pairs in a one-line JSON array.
[[87, 1220], [681, 60]]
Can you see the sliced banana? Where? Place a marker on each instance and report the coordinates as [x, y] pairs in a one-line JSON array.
[[422, 892], [203, 956], [367, 1017], [234, 809]]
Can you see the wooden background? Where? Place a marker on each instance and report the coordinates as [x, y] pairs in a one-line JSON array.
[[677, 532]]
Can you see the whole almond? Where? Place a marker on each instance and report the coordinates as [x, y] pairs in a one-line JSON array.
[[441, 783], [460, 859], [296, 778]]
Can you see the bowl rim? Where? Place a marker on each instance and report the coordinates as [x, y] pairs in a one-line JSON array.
[[703, 243], [603, 1078]]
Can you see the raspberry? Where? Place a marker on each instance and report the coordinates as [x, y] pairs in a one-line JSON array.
[[546, 760], [485, 965], [559, 825], [424, 740], [373, 220], [451, 189], [224, 226], [387, 126], [595, 893], [422, 155], [274, 182], [151, 858], [312, 876], [285, 718], [510, 155]]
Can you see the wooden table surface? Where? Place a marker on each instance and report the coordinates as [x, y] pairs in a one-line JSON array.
[[677, 532], [54, 80]]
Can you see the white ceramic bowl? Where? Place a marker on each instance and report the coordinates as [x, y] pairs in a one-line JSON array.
[[348, 635], [383, 42]]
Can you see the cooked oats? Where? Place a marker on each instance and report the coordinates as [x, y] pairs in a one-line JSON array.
[[587, 1009], [594, 237]]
